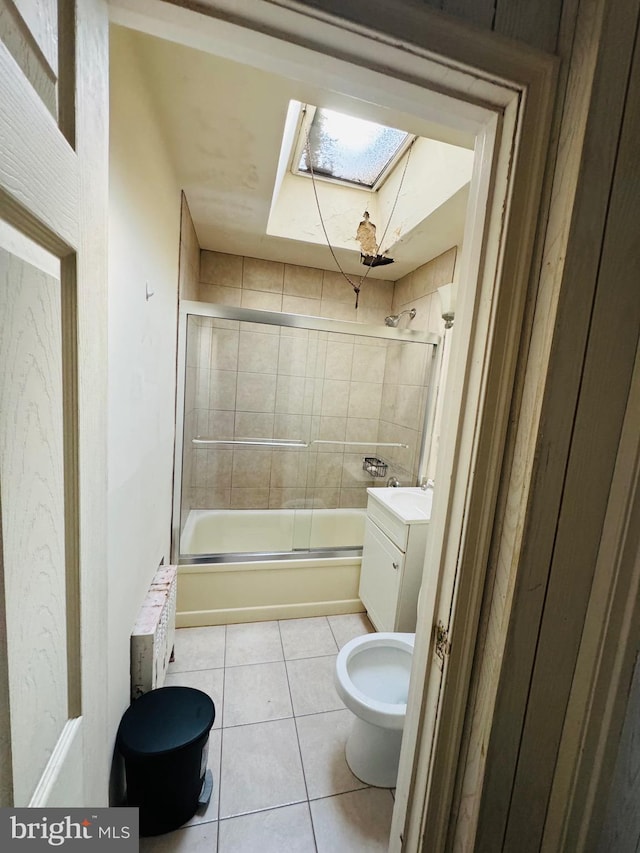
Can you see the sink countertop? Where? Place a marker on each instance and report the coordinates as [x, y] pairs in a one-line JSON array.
[[412, 505]]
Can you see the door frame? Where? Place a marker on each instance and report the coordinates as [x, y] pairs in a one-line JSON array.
[[505, 94]]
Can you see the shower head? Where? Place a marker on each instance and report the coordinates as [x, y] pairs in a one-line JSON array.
[[394, 319]]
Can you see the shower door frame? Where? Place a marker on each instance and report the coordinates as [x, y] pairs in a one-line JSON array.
[[189, 308]]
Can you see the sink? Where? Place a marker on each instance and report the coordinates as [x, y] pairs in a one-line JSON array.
[[410, 504]]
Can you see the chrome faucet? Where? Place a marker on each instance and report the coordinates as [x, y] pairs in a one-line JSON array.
[[393, 481], [426, 483]]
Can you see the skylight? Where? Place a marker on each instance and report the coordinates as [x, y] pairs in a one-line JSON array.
[[344, 148]]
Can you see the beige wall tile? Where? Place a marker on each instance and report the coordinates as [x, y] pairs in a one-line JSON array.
[[220, 424], [376, 293], [323, 498], [253, 425], [423, 280], [222, 389], [362, 429], [290, 395], [256, 392], [224, 349], [220, 268], [372, 316], [287, 498], [336, 288], [303, 281], [291, 425], [251, 469], [221, 295], [263, 275], [261, 300], [354, 497], [286, 469], [328, 470], [402, 291], [258, 353], [211, 498], [368, 363], [331, 429], [300, 305], [334, 310], [335, 398], [364, 400], [189, 255], [292, 356], [218, 467], [338, 360]]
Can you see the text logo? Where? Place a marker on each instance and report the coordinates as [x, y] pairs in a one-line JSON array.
[[101, 829]]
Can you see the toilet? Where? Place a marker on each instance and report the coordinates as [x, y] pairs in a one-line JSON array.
[[372, 679]]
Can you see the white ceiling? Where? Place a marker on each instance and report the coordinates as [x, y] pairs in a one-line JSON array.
[[223, 122]]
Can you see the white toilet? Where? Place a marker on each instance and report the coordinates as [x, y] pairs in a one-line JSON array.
[[372, 679]]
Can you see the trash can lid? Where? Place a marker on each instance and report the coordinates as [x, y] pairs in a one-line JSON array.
[[165, 719]]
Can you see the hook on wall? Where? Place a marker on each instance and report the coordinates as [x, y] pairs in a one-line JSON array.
[[148, 293]]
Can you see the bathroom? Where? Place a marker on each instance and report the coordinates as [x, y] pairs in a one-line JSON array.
[[546, 283], [233, 279]]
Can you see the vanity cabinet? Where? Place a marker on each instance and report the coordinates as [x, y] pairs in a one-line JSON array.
[[392, 562]]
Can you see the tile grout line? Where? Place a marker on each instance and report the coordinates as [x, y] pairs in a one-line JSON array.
[[295, 725], [224, 671]]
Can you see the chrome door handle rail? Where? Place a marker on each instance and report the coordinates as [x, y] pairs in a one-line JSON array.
[[252, 442], [291, 442], [362, 443]]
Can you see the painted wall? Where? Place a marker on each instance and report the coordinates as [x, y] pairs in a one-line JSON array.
[[144, 223]]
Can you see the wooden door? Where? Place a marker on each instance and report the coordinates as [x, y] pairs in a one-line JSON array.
[[53, 180]]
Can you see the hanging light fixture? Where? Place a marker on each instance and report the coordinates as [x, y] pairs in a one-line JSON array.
[[447, 294]]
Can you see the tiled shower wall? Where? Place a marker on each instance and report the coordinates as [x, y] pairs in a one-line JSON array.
[[289, 383], [269, 382]]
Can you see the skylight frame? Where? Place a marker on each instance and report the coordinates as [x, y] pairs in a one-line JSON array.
[[307, 115]]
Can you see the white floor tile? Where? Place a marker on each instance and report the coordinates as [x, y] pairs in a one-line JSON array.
[[198, 648], [322, 741], [283, 830], [259, 675], [194, 839], [312, 685], [261, 768], [255, 693], [348, 626], [358, 822], [305, 638], [256, 642], [210, 681]]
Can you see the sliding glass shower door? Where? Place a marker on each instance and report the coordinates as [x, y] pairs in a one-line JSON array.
[[288, 417]]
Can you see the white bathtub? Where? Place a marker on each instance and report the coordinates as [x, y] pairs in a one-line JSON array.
[[213, 531], [249, 590]]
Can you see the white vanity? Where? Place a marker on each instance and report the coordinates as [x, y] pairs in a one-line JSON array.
[[393, 555]]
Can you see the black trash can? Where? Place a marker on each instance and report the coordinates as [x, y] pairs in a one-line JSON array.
[[163, 738]]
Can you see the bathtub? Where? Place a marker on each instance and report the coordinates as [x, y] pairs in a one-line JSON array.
[[214, 531], [256, 565]]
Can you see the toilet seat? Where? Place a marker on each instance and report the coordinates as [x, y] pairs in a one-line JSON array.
[[372, 671]]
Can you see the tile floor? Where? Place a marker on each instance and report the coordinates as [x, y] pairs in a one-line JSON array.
[[276, 750]]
